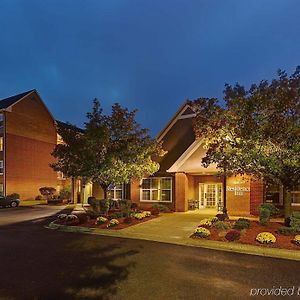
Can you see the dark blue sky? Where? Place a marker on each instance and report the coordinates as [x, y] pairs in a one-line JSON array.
[[145, 54]]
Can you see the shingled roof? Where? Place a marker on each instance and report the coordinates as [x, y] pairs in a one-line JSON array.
[[7, 102], [69, 126]]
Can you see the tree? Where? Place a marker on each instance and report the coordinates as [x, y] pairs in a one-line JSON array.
[[112, 149], [47, 192], [257, 133]]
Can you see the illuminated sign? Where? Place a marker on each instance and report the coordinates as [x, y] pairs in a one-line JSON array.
[[238, 190]]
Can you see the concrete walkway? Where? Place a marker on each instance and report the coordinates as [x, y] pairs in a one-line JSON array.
[[171, 226]]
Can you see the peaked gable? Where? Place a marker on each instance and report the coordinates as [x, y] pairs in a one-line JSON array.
[[7, 102]]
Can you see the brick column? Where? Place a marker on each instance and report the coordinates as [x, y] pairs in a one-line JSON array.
[[181, 192]]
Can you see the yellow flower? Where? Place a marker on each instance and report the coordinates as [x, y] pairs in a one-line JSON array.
[[266, 238]]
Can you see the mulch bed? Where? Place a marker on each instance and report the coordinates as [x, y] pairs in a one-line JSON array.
[[248, 236], [91, 223]]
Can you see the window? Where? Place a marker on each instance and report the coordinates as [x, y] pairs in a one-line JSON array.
[[1, 121], [156, 189], [273, 193], [1, 143], [1, 167], [1, 189], [116, 192], [60, 175]]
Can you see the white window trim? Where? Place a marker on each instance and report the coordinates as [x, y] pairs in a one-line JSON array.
[[156, 201], [295, 203], [1, 167], [114, 190]]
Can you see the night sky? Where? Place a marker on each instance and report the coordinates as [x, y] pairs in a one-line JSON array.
[[145, 54]]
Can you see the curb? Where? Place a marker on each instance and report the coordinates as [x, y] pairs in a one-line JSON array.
[[214, 245]]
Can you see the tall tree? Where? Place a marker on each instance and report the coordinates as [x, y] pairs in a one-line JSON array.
[[112, 149], [257, 133]]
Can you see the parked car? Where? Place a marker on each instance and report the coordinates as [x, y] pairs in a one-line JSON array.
[[7, 201]]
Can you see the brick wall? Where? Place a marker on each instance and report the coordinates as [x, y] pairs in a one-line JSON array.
[[256, 195], [30, 140], [27, 166]]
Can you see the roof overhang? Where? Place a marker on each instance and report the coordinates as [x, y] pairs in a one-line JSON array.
[[191, 161]]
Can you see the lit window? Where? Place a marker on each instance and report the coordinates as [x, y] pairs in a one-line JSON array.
[[1, 167], [116, 192], [1, 143], [59, 139], [1, 189], [60, 175], [156, 189]]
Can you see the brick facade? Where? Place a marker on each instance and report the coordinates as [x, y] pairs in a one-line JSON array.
[[256, 196], [30, 137]]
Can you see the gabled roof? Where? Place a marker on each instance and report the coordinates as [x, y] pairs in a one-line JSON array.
[[191, 161], [7, 102], [69, 126], [185, 111]]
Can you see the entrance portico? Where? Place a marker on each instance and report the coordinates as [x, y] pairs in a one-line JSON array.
[[198, 192], [201, 188]]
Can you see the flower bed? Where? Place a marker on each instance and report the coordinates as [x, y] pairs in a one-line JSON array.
[[106, 222], [256, 234]]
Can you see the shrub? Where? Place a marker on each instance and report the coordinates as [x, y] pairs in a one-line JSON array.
[[101, 206], [266, 238], [125, 204], [213, 219], [146, 213], [222, 226], [13, 196], [205, 223], [92, 214], [286, 230], [295, 221], [112, 223], [287, 222], [139, 216], [116, 215], [244, 220], [233, 235], [47, 191], [241, 224], [62, 216], [134, 206], [264, 216], [82, 217], [54, 201], [154, 211], [161, 207], [296, 240], [202, 232], [271, 207], [101, 220], [38, 197], [65, 193], [128, 220], [72, 220], [221, 217]]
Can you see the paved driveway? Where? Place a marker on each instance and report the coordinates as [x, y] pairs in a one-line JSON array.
[[27, 213], [37, 263]]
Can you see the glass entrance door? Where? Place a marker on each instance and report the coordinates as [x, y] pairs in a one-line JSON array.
[[210, 195]]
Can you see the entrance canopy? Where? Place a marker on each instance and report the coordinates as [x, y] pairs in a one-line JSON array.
[[190, 161]]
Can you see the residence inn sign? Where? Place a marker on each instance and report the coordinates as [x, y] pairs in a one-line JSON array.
[[238, 190]]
